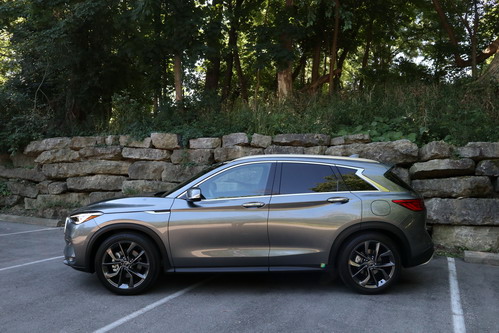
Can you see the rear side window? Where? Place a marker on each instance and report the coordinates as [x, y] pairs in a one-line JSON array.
[[391, 176], [308, 178], [354, 182]]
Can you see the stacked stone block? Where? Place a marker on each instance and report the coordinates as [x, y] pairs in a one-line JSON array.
[[460, 184]]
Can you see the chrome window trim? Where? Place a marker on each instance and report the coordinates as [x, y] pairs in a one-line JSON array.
[[308, 193], [307, 162], [332, 158], [358, 172], [232, 198]]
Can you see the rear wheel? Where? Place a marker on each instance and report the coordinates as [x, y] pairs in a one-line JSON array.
[[127, 263], [369, 263]]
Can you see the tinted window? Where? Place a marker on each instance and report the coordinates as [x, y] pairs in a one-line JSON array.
[[354, 182], [307, 178], [390, 175], [242, 181], [182, 184]]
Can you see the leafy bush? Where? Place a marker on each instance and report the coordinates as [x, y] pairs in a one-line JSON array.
[[4, 190], [130, 116], [20, 123], [418, 112]]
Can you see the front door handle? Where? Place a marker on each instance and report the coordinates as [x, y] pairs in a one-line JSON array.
[[338, 199], [253, 204]]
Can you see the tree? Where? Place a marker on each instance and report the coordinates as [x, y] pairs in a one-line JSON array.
[[468, 14]]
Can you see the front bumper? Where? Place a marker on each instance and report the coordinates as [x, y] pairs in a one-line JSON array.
[[76, 241]]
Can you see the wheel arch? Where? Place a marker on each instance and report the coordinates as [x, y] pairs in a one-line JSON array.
[[102, 234], [384, 228]]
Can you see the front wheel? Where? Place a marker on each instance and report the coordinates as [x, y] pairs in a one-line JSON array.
[[127, 263], [369, 263]]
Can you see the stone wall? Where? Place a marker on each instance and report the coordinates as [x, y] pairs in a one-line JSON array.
[[53, 176]]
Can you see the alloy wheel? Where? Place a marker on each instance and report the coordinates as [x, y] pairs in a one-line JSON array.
[[371, 264], [125, 265]]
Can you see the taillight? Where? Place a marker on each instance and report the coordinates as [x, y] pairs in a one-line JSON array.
[[412, 204]]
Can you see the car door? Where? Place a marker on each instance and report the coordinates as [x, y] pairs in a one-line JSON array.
[[228, 226], [311, 205]]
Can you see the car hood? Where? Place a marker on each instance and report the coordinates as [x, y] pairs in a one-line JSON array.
[[128, 205]]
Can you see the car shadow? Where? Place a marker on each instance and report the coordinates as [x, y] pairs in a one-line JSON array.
[[412, 280]]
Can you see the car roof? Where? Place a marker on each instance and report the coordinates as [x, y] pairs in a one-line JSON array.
[[300, 157]]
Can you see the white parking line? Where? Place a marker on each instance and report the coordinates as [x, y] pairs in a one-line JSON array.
[[25, 232], [150, 307], [30, 263], [455, 299]]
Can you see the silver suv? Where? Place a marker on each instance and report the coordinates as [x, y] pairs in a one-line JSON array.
[[260, 213]]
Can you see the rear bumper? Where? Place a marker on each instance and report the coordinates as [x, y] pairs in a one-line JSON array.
[[421, 258]]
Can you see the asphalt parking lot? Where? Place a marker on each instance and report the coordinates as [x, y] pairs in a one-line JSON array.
[[40, 294]]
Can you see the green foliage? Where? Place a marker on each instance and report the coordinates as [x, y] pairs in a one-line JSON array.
[[4, 190], [19, 123], [417, 112], [386, 129], [130, 116], [131, 192], [82, 67]]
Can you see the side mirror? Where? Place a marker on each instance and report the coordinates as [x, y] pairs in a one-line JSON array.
[[194, 194]]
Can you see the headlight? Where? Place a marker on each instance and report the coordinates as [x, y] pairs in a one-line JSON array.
[[84, 217]]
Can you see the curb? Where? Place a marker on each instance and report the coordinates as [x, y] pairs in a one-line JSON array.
[[481, 257], [29, 220]]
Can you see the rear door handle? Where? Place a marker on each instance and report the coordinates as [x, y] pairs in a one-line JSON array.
[[338, 199], [253, 205]]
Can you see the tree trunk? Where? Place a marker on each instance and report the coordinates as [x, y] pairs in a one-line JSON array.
[[212, 75], [339, 70], [316, 59], [229, 58], [213, 44], [284, 83], [285, 75], [301, 65], [257, 88], [334, 46], [365, 57], [491, 75], [314, 86], [229, 63], [158, 73], [474, 31], [177, 69], [242, 80]]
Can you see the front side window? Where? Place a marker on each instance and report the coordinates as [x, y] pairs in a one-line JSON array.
[[354, 182], [241, 181], [308, 178]]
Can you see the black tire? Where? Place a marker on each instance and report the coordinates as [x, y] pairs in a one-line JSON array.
[[127, 263], [369, 263]]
